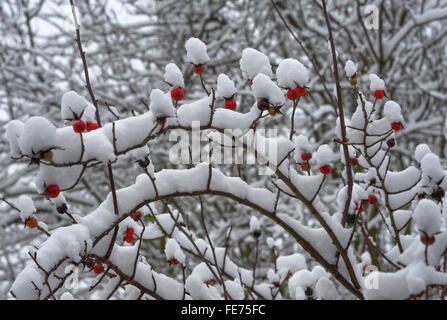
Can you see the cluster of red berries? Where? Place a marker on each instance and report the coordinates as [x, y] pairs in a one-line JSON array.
[[293, 94], [53, 190], [177, 94], [80, 126], [129, 235], [325, 169], [379, 94]]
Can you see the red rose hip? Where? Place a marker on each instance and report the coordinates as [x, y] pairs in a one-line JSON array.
[[325, 169], [136, 216], [199, 69], [306, 156], [396, 126], [31, 222], [79, 126], [292, 94], [98, 268], [372, 199], [230, 104], [92, 126], [177, 94], [53, 190], [379, 94]]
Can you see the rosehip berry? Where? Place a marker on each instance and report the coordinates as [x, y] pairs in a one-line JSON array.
[[353, 161], [306, 156], [79, 126], [136, 216], [161, 121], [426, 240], [276, 284], [92, 126], [353, 81], [209, 282], [325, 169], [173, 260], [129, 232], [98, 268], [379, 94], [128, 239], [257, 233], [305, 166], [263, 104], [421, 196], [396, 126], [391, 143], [62, 208], [199, 69], [230, 104], [372, 199], [301, 91], [273, 111], [31, 222], [177, 94], [53, 190], [292, 94]]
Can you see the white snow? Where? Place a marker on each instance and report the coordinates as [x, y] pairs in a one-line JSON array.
[[254, 224], [291, 263], [13, 132], [376, 83], [196, 51], [254, 62], [38, 135], [234, 289], [291, 73], [26, 206], [324, 155], [350, 68], [161, 104], [325, 289], [264, 87], [427, 216], [393, 112], [173, 76], [72, 105], [302, 145], [225, 87], [420, 151], [173, 250]]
